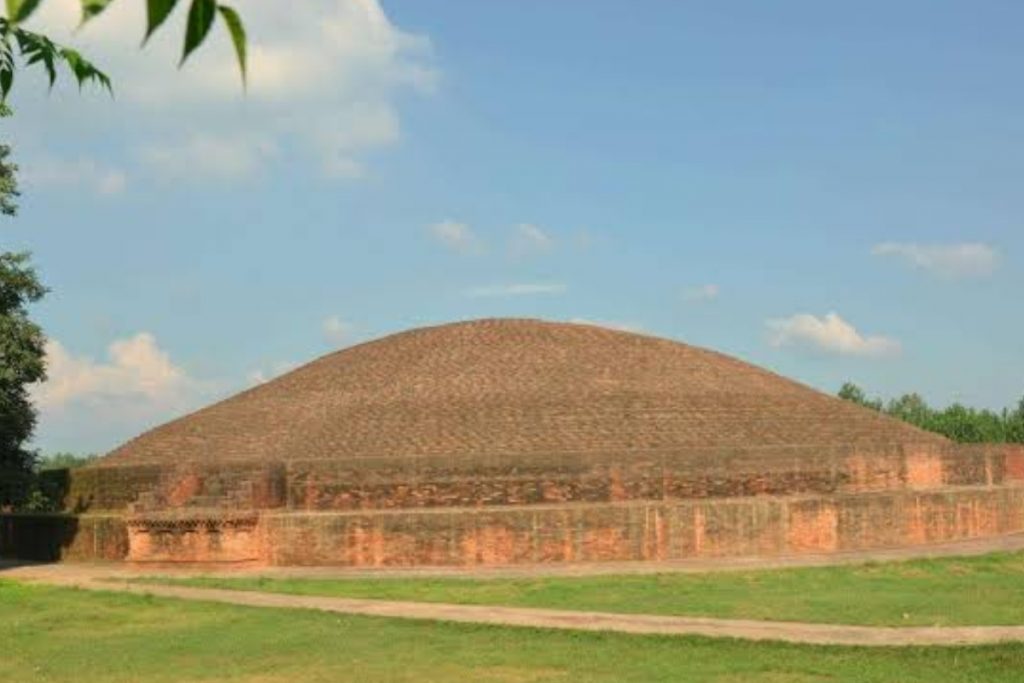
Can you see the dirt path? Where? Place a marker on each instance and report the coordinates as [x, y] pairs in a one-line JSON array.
[[101, 579]]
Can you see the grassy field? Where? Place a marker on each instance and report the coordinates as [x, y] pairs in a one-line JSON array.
[[984, 590], [57, 634]]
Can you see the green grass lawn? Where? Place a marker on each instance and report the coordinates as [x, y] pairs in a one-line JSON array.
[[984, 590], [58, 634]]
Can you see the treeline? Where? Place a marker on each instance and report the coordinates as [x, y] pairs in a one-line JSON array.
[[63, 460], [41, 493], [956, 422]]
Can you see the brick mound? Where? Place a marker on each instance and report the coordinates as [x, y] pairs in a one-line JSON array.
[[517, 442], [513, 387]]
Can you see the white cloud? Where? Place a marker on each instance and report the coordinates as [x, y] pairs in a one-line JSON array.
[[359, 129], [456, 236], [520, 289], [225, 158], [89, 404], [968, 259], [830, 334], [530, 239], [610, 324], [701, 293], [324, 79], [336, 330], [78, 173], [137, 371]]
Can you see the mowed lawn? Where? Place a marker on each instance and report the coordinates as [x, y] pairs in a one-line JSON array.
[[983, 590], [60, 634]]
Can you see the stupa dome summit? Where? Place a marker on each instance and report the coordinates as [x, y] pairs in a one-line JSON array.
[[513, 387]]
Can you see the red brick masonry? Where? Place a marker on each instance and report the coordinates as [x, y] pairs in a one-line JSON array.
[[532, 509]]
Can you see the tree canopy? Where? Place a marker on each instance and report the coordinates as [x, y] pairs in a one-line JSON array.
[[63, 460], [21, 365], [8, 183], [957, 422]]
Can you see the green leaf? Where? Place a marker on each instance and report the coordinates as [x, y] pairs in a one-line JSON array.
[[20, 10], [48, 63], [47, 59], [38, 48], [6, 69], [237, 31], [6, 80], [91, 8], [83, 69], [200, 18], [157, 12]]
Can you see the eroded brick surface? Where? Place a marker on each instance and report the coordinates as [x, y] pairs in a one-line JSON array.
[[1015, 463]]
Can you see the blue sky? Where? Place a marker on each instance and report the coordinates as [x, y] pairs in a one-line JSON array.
[[831, 191]]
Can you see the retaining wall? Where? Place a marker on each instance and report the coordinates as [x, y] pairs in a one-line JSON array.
[[536, 508], [761, 525]]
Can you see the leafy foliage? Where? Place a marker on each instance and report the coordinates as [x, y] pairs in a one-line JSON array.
[[8, 183], [21, 355], [21, 364], [957, 422], [35, 48], [852, 392], [236, 29], [64, 461], [44, 489], [157, 12], [200, 19]]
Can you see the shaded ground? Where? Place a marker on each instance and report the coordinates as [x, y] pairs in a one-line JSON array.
[[60, 635]]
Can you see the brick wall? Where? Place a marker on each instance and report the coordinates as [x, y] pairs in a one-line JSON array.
[[641, 531], [208, 538], [222, 486], [108, 488], [392, 483], [554, 508], [433, 481]]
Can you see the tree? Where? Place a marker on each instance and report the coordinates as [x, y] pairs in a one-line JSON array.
[[853, 393], [64, 461], [8, 183], [911, 408], [956, 422], [21, 365], [1015, 424], [36, 48]]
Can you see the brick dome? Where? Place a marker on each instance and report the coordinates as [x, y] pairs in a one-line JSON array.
[[513, 387]]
